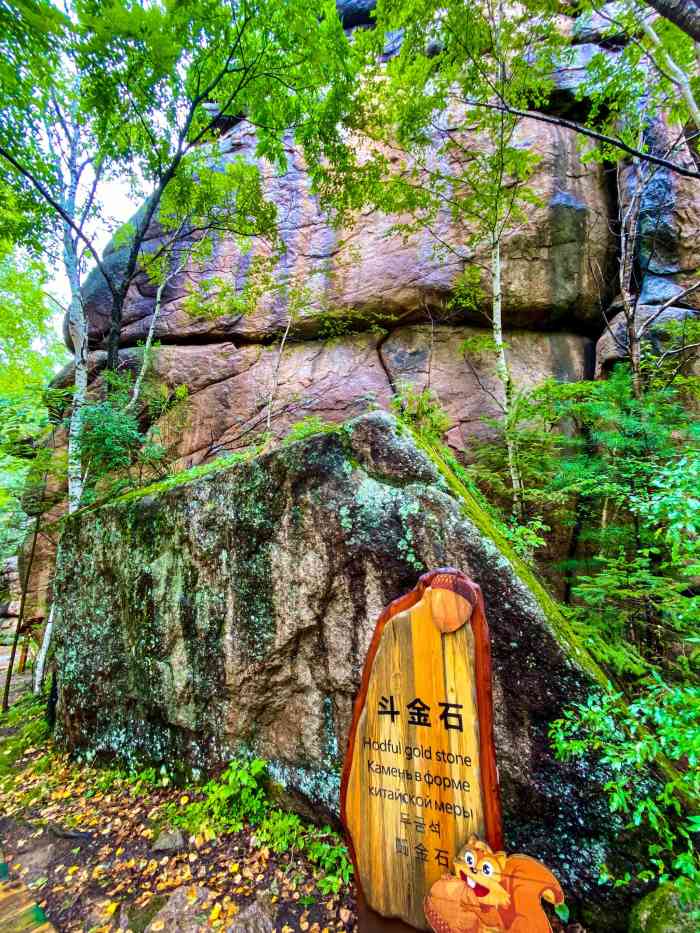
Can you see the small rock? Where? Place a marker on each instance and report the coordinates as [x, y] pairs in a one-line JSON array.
[[663, 912], [93, 915], [170, 840], [36, 861], [183, 912], [258, 917]]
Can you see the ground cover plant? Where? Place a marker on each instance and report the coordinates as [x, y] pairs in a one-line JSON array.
[[82, 837]]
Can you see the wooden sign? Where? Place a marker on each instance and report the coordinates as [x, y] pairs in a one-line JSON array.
[[420, 771]]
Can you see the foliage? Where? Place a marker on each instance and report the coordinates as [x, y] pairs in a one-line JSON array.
[[597, 460], [662, 723], [308, 427], [239, 797], [29, 348], [284, 831], [421, 411], [29, 355], [118, 453], [642, 79], [26, 725]]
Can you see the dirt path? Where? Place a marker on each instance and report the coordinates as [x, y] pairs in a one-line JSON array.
[[97, 852]]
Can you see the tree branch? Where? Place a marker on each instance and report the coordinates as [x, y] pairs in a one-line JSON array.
[[683, 13], [63, 214], [591, 134]]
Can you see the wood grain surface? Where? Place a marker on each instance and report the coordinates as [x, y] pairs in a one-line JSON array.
[[420, 771], [18, 911]]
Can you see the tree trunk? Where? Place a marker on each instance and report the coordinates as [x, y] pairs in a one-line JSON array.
[[684, 13], [20, 617], [23, 655], [503, 371], [79, 335], [115, 327], [40, 665], [629, 232], [147, 348]]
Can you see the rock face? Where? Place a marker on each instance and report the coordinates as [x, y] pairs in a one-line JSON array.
[[366, 276], [231, 388], [232, 614], [10, 593]]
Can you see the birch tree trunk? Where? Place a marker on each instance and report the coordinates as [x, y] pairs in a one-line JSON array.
[[678, 76], [77, 326], [629, 232], [503, 371], [40, 665], [78, 330]]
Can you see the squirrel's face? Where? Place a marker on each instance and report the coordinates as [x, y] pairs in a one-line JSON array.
[[482, 870]]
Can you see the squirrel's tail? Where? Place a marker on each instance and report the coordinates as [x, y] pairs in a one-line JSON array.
[[528, 882]]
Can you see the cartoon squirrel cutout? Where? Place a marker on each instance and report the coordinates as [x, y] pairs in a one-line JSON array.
[[490, 892]]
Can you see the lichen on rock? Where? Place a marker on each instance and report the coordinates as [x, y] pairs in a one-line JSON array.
[[232, 615]]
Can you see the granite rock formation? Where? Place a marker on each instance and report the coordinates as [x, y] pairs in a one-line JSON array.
[[10, 592], [233, 613], [365, 276]]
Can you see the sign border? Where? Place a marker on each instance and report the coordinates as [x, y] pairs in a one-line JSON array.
[[460, 583]]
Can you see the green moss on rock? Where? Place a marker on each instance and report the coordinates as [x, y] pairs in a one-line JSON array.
[[663, 911], [233, 611]]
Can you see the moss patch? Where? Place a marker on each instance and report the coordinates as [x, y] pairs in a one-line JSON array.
[[479, 516], [663, 911]]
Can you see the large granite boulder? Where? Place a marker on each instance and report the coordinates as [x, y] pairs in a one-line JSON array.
[[367, 276], [232, 389], [665, 911], [232, 614]]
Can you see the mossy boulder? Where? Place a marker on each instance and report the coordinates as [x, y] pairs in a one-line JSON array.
[[232, 614], [663, 911]]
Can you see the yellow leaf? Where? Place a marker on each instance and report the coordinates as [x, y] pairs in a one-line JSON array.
[[72, 870], [233, 867], [184, 799], [215, 911], [110, 908], [158, 925]]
